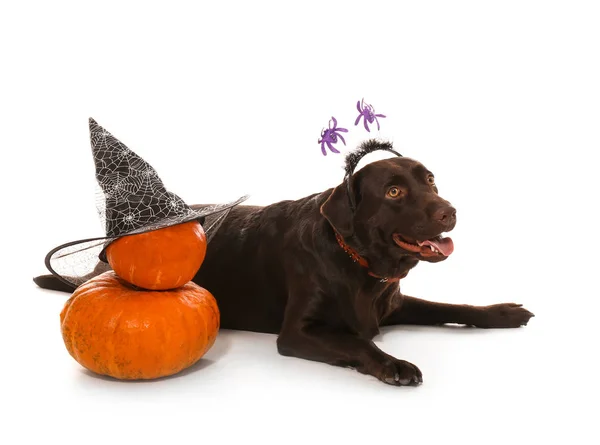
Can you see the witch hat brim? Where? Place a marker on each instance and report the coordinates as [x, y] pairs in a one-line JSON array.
[[76, 262], [131, 200]]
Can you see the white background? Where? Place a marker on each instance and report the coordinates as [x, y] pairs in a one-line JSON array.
[[500, 99]]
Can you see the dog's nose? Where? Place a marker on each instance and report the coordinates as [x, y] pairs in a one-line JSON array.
[[445, 215]]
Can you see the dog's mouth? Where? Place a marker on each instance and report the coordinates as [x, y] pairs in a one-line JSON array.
[[438, 246]]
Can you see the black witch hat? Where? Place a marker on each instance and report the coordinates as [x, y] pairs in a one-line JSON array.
[[131, 199]]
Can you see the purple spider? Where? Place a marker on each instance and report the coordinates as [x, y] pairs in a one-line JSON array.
[[330, 136], [368, 112]]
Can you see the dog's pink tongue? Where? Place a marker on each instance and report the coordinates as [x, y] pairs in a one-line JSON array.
[[444, 245]]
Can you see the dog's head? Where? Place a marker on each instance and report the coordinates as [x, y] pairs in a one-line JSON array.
[[392, 210]]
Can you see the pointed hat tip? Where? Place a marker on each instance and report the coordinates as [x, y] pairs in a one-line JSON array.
[[92, 121]]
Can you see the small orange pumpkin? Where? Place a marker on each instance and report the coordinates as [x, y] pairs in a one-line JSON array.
[[161, 259], [113, 329]]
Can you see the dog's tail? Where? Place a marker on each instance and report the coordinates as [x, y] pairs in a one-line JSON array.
[[53, 283]]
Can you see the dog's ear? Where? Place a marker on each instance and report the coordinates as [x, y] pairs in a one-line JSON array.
[[338, 212]]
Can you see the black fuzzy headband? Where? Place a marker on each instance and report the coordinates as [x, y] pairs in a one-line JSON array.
[[353, 158]]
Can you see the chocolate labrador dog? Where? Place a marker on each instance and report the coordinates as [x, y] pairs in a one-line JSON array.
[[323, 272]]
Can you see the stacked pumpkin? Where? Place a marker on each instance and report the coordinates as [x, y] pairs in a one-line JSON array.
[[144, 319]]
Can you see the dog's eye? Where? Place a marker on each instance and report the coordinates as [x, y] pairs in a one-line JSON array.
[[394, 192], [431, 180]]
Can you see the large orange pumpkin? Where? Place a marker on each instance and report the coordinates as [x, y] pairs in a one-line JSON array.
[[111, 328], [161, 259]]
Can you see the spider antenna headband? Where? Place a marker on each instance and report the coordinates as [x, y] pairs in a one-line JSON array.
[[352, 160], [332, 135]]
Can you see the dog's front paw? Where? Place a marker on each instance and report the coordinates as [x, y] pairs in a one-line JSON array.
[[399, 373], [504, 315]]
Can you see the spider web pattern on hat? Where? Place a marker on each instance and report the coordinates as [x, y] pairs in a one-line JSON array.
[[131, 194], [130, 199]]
